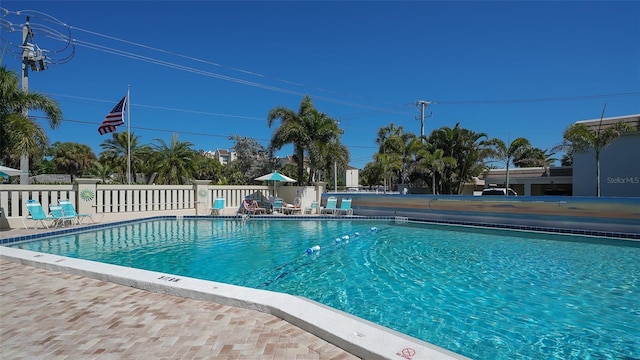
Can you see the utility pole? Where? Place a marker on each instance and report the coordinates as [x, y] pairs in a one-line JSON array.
[[27, 53], [423, 106], [33, 58]]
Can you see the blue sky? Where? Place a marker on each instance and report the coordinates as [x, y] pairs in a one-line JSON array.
[[508, 69]]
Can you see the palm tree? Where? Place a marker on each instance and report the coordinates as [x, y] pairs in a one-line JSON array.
[[534, 157], [292, 131], [325, 148], [173, 161], [467, 147], [434, 162], [390, 163], [506, 154], [115, 152], [579, 138], [395, 146], [19, 134], [302, 129], [329, 155], [102, 171]]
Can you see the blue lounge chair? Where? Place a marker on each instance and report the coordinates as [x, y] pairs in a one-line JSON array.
[[36, 213], [69, 210], [345, 207], [59, 218], [330, 208], [218, 206]]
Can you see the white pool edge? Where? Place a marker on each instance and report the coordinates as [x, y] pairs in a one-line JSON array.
[[357, 336]]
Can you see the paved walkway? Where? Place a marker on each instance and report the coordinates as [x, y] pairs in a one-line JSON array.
[[52, 315]]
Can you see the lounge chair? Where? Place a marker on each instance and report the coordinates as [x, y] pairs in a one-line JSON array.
[[345, 207], [330, 208], [36, 213], [218, 206], [293, 208], [251, 207], [69, 210], [59, 218], [311, 209]]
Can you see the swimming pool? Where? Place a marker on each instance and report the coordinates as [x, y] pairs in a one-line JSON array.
[[481, 293]]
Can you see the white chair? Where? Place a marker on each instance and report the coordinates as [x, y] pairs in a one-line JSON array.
[[294, 208], [311, 209]]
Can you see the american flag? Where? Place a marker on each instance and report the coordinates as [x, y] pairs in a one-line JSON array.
[[114, 118]]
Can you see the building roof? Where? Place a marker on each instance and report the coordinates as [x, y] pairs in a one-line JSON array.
[[531, 172], [633, 120]]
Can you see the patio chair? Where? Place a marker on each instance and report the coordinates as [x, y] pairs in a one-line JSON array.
[[311, 209], [36, 213], [218, 206], [294, 208], [69, 210], [345, 207], [250, 207], [278, 206], [330, 208], [59, 218]]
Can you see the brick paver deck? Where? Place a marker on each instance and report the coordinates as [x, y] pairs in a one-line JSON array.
[[52, 315]]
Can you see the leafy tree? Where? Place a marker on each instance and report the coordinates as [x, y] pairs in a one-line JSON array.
[[372, 174], [506, 154], [72, 158], [579, 138], [19, 134], [290, 170], [173, 162], [252, 160], [205, 167]]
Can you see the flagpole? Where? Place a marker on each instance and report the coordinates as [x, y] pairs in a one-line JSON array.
[[128, 135]]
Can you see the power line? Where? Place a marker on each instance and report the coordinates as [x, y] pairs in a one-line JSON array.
[[94, 123], [534, 100]]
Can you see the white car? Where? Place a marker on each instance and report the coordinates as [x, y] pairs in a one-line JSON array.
[[499, 191]]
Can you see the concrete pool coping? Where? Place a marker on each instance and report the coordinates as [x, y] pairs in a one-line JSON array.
[[354, 335]]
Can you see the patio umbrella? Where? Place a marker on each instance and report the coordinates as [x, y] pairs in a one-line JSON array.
[[275, 176], [7, 171]]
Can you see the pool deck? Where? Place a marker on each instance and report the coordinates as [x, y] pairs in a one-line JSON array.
[[56, 307], [51, 315]]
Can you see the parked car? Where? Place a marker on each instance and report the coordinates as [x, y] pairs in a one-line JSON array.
[[499, 191]]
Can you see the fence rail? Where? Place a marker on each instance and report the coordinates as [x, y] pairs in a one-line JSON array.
[[93, 198]]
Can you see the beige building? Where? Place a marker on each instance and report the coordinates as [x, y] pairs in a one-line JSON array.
[[533, 181]]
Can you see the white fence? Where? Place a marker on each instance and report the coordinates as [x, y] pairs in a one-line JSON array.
[[115, 202]]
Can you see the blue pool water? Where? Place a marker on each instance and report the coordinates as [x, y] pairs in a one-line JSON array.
[[482, 293]]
